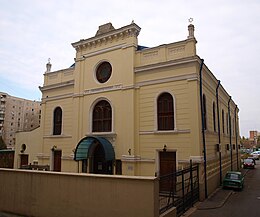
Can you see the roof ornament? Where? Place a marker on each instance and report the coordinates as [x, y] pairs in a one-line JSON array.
[[48, 66], [191, 28]]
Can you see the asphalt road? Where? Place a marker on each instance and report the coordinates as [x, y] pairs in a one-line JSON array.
[[241, 203]]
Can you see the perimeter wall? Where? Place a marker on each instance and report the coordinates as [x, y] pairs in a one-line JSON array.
[[51, 194]]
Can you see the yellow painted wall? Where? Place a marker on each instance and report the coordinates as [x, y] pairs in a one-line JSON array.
[[138, 77]]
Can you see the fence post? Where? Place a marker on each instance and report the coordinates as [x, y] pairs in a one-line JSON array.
[[191, 180], [183, 192]]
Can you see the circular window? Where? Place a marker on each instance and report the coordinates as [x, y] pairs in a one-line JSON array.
[[103, 72]]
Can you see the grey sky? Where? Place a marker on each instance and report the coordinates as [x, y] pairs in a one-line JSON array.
[[227, 31]]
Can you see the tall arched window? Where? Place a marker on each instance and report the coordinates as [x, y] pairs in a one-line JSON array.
[[214, 116], [165, 112], [205, 111], [102, 117], [223, 122], [57, 121], [227, 121]]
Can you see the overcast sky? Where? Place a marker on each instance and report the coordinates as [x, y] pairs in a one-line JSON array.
[[227, 31]]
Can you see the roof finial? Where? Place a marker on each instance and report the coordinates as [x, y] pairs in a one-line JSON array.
[[191, 28], [48, 65]]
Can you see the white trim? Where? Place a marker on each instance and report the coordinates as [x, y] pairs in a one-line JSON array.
[[91, 115], [164, 132], [166, 80], [136, 158], [95, 71], [53, 121], [156, 111], [103, 89], [57, 136], [164, 64]]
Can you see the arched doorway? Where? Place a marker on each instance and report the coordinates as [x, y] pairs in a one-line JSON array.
[[97, 155], [100, 164]]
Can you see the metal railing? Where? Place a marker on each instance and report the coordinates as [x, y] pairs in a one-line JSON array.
[[179, 189]]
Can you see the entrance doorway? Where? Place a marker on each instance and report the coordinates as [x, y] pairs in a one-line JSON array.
[[96, 154], [57, 160], [100, 165], [24, 160], [167, 167]]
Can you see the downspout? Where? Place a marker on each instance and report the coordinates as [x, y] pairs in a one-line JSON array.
[[236, 135], [203, 131], [230, 140], [219, 138]]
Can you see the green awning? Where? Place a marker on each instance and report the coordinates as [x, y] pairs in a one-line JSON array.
[[85, 144]]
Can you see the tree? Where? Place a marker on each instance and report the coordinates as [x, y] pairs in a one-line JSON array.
[[2, 143]]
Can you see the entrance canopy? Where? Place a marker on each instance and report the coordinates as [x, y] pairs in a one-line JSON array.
[[84, 146]]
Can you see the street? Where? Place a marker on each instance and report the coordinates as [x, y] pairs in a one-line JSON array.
[[240, 203]]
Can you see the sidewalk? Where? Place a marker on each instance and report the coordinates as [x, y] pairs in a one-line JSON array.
[[216, 200], [5, 214]]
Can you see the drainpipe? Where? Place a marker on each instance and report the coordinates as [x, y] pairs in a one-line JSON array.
[[230, 141], [236, 135], [203, 131], [219, 138]]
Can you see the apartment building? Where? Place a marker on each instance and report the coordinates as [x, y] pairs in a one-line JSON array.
[[17, 114]]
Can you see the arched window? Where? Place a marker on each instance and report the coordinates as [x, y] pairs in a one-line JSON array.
[[57, 121], [102, 117], [165, 112], [205, 111], [223, 122], [227, 123], [214, 116]]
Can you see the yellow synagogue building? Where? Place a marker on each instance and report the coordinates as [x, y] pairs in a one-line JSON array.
[[126, 109]]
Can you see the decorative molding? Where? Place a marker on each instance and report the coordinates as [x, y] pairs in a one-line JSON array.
[[43, 156], [69, 95], [150, 55], [103, 89], [166, 80], [68, 157], [165, 64], [164, 132], [105, 50], [131, 30], [135, 158], [58, 85], [57, 136], [176, 50]]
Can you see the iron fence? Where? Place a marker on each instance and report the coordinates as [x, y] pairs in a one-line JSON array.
[[179, 189]]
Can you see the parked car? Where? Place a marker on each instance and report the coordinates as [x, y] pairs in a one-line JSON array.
[[234, 180], [256, 155], [249, 163]]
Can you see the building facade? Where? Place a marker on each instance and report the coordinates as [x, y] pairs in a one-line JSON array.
[[17, 114], [132, 110]]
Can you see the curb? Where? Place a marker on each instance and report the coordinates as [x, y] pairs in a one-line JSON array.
[[219, 205]]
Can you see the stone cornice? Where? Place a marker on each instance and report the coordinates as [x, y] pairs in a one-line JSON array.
[[58, 85], [166, 64], [121, 33]]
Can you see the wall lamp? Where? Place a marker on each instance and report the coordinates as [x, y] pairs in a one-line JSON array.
[[165, 148]]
